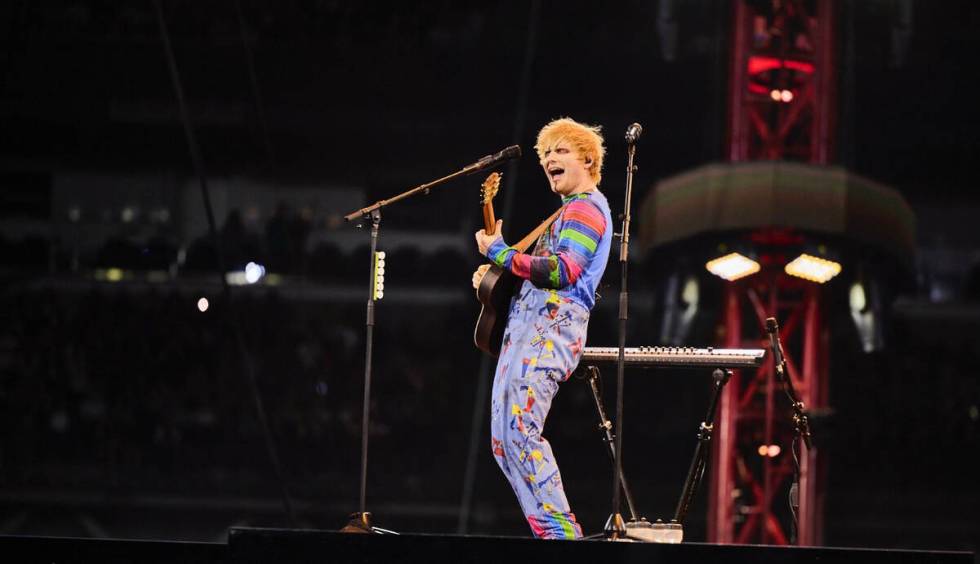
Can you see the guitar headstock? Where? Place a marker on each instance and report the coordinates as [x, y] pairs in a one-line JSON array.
[[490, 187]]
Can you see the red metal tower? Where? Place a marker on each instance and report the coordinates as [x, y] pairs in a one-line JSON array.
[[777, 198], [781, 107]]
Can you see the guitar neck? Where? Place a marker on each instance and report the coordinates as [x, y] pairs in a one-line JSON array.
[[489, 221]]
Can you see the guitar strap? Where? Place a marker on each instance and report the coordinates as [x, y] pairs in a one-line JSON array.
[[531, 237]]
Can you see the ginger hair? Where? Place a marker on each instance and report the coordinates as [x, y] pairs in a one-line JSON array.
[[585, 139]]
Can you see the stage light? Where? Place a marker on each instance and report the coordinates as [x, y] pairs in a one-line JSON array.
[[202, 305], [865, 309], [858, 301], [254, 272], [786, 96], [814, 269], [114, 274], [680, 302], [775, 95], [732, 266], [772, 451]]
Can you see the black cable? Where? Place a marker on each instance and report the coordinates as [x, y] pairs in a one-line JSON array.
[[246, 358], [794, 493]]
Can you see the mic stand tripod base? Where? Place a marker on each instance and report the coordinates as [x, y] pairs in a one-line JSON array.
[[615, 529], [360, 522]]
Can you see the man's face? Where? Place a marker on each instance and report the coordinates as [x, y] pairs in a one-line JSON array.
[[567, 173]]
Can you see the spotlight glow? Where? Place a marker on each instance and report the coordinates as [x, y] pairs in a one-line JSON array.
[[732, 266], [253, 272], [786, 96], [814, 269], [236, 278], [857, 298], [202, 305], [772, 451]]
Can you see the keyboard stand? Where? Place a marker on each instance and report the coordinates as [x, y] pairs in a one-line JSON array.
[[637, 528], [700, 459]]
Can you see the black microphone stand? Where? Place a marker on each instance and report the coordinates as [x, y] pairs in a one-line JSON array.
[[615, 528], [801, 423], [360, 522]]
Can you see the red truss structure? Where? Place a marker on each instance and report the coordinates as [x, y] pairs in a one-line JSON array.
[[753, 451], [781, 107], [777, 196], [782, 88]]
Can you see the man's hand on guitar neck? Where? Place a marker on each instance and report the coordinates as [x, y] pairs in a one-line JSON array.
[[478, 275], [483, 241]]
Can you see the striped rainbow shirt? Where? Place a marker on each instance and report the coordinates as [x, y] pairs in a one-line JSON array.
[[571, 255]]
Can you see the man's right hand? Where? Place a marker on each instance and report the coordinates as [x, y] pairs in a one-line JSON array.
[[478, 275]]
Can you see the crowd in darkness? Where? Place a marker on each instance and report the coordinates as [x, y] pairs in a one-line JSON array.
[[123, 391], [289, 242], [109, 386]]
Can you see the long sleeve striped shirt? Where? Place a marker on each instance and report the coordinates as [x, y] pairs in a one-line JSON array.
[[571, 255]]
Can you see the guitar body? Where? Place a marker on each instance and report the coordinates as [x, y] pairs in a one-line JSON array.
[[495, 292], [498, 285]]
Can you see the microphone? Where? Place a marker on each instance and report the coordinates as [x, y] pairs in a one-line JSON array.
[[799, 415], [490, 161], [633, 133], [774, 344]]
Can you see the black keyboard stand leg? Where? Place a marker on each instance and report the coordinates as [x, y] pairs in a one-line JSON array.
[[699, 461], [608, 437]]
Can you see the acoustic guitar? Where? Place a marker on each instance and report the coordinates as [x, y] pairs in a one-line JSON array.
[[498, 285]]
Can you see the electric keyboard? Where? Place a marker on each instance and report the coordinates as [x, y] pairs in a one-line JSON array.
[[678, 356]]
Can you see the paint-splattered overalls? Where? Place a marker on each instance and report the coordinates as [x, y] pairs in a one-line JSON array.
[[546, 331]]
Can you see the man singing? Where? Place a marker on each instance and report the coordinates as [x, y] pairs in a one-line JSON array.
[[548, 320]]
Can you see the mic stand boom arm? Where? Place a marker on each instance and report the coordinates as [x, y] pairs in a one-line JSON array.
[[485, 163], [361, 520], [366, 212]]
